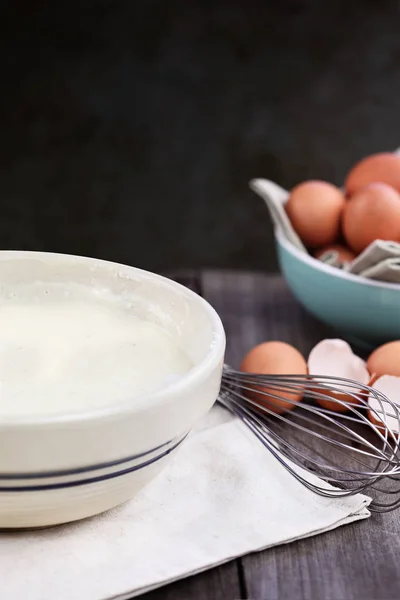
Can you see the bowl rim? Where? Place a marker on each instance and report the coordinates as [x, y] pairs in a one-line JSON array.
[[321, 266], [142, 402]]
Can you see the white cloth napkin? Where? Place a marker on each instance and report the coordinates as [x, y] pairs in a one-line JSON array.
[[381, 260], [224, 495]]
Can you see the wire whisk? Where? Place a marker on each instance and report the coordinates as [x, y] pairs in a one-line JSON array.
[[351, 452]]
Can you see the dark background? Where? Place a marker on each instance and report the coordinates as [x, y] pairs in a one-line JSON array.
[[129, 130]]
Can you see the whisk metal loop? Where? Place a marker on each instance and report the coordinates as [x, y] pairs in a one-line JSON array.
[[346, 450]]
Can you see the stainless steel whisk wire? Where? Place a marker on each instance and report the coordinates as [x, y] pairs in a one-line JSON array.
[[294, 440]]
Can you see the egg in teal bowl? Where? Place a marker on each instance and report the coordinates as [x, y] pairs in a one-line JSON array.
[[366, 312]]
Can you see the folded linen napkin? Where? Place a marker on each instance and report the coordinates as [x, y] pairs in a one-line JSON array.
[[222, 496], [380, 260]]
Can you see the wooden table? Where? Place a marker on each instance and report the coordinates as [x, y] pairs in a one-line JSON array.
[[354, 562]]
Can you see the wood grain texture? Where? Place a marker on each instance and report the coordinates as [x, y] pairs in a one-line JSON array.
[[254, 308], [221, 582], [357, 561]]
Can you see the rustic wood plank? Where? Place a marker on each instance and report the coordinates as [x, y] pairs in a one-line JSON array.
[[356, 561], [221, 582], [254, 308]]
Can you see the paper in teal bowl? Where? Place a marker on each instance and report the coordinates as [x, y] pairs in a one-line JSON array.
[[363, 311]]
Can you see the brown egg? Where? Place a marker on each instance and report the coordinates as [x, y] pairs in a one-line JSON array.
[[385, 360], [275, 358], [344, 254], [383, 167], [371, 214], [314, 209]]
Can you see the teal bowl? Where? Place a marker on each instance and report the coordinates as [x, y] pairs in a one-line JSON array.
[[363, 311]]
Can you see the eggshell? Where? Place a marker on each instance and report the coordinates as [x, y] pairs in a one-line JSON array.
[[314, 209], [385, 360], [383, 167], [275, 358], [345, 255], [335, 358], [389, 385], [371, 214]]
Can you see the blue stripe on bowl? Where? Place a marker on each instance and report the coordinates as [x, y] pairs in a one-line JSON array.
[[166, 449]]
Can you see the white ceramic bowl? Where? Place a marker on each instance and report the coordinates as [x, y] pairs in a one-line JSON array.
[[70, 466]]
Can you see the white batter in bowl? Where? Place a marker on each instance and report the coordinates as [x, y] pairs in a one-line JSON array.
[[104, 369]]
